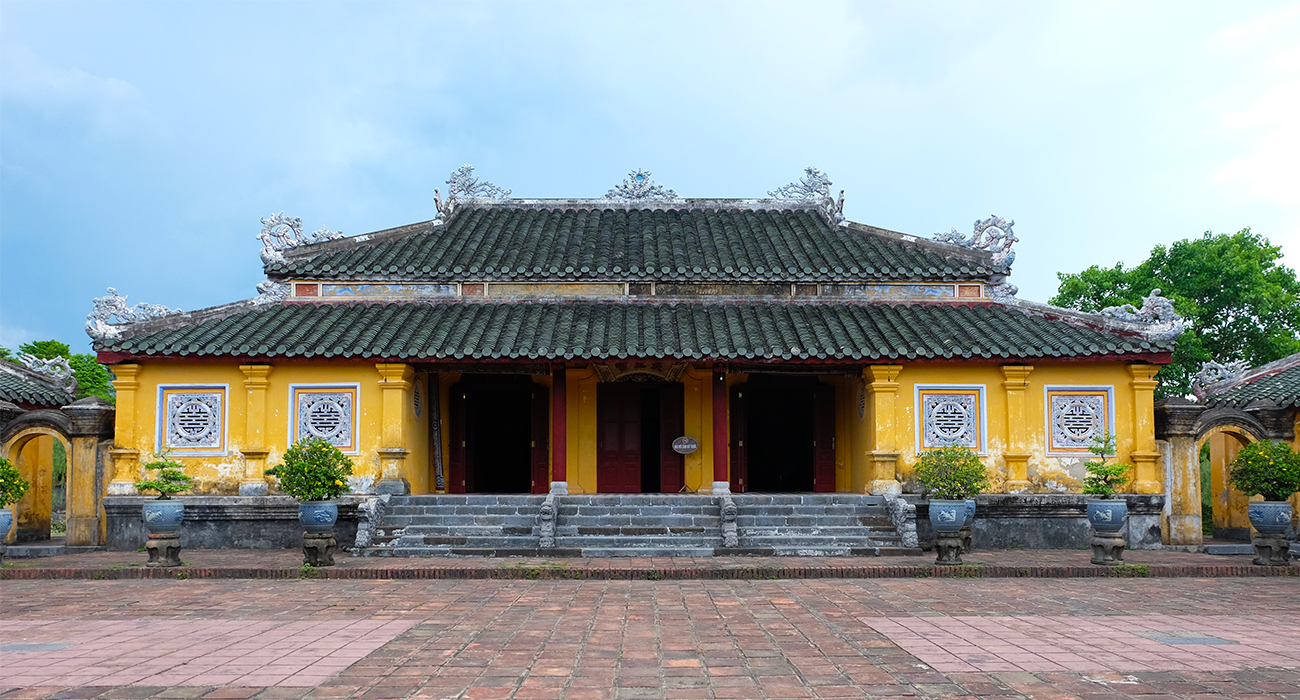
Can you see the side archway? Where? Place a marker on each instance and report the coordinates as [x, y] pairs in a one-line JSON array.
[[31, 448]]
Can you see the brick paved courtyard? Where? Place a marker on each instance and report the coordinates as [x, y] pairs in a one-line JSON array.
[[816, 638]]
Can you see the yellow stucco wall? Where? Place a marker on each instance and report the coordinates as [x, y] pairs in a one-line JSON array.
[[223, 473]]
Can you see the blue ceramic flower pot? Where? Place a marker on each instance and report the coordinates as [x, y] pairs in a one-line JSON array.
[[947, 516], [6, 522], [163, 516], [318, 516], [1269, 517], [1107, 515], [970, 512]]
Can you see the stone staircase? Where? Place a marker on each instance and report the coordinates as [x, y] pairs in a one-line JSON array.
[[633, 525], [816, 525]]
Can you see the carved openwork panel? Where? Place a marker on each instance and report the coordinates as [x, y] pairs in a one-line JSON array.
[[326, 411], [1077, 415], [193, 419], [950, 416], [639, 371]]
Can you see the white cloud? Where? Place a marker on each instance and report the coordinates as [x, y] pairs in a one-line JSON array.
[[110, 105], [11, 337]]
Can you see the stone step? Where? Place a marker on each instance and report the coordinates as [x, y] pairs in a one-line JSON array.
[[455, 551], [837, 551], [466, 520], [814, 521], [760, 499], [469, 530], [647, 552], [480, 542], [633, 521], [467, 500]]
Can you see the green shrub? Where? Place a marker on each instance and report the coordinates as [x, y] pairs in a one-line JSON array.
[[1102, 479], [951, 473], [12, 483], [171, 477], [1270, 469], [313, 470]]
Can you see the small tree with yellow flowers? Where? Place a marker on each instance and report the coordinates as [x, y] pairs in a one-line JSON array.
[[1269, 469], [12, 485], [313, 470]]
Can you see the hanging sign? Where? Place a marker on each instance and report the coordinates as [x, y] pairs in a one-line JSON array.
[[685, 445]]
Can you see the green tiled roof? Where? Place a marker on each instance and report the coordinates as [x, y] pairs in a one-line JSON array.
[[14, 388], [1282, 387], [600, 241], [686, 330]]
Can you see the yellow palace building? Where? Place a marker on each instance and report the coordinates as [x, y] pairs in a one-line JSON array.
[[530, 346]]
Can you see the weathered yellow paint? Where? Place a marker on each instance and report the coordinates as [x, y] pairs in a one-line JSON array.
[[399, 427], [1145, 478], [1228, 504], [86, 524], [32, 452], [883, 430], [126, 456], [698, 394], [256, 385], [580, 398], [1016, 456]]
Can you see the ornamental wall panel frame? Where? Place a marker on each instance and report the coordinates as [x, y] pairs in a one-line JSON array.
[[1066, 409], [328, 411], [193, 420], [951, 414]]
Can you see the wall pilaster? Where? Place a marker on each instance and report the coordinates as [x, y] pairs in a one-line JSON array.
[[1145, 478], [254, 448], [1015, 382], [882, 395], [395, 384], [125, 452]]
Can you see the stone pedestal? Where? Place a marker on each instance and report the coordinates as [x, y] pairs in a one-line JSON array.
[[164, 549], [966, 536], [949, 547], [1107, 548], [1271, 550], [318, 548]]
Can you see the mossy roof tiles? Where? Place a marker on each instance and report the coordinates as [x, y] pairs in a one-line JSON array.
[[723, 330], [682, 243], [16, 389], [1281, 387]]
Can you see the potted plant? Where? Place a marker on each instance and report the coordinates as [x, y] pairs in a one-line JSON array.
[[1105, 513], [314, 472], [1271, 470], [12, 488], [950, 476], [164, 514]]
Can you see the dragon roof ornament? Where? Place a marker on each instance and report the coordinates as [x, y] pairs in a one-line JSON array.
[[98, 324], [813, 186], [462, 186], [269, 292], [1157, 313], [1215, 372], [993, 234], [638, 185], [280, 233], [58, 369]]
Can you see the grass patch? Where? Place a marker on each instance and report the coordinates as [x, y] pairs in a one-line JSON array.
[[182, 575], [307, 571], [1132, 570], [654, 575]]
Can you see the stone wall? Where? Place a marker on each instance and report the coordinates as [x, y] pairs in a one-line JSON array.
[[226, 522], [1045, 521]]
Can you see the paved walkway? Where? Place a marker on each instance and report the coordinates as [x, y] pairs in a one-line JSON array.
[[287, 563], [793, 638]]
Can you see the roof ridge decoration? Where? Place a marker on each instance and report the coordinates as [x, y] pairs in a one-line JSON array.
[[57, 369], [638, 185], [462, 186], [1157, 313], [813, 186], [280, 233], [993, 234], [1215, 373], [269, 292], [98, 325]]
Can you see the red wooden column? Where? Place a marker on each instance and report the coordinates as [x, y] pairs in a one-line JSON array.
[[720, 481], [559, 430]]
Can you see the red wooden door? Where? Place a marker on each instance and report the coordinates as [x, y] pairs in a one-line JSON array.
[[618, 444], [739, 463], [456, 438], [541, 429], [672, 424], [824, 438]]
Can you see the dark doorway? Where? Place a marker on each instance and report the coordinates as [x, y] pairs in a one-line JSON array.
[[498, 443], [638, 422], [782, 435]]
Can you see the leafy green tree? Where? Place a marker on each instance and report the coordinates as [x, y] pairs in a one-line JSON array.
[[8, 355], [1242, 303], [93, 379]]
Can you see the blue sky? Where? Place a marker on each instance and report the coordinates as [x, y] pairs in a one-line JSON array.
[[140, 143]]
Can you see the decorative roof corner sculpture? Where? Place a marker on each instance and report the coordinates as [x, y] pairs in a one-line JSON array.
[[280, 233], [993, 234], [1157, 313], [1214, 372], [98, 325], [638, 185], [269, 292], [58, 369], [462, 186], [813, 186], [1006, 290]]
